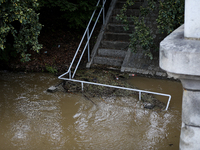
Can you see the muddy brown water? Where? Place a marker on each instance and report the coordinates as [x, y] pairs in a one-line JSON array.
[[31, 118]]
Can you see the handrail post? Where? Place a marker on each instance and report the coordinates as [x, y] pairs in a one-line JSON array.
[[70, 75], [82, 85], [139, 95], [103, 13], [168, 103], [88, 35]]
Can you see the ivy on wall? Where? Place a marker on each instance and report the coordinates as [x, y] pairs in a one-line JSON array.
[[170, 15]]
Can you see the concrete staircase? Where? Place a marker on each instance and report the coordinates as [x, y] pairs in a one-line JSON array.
[[112, 43]]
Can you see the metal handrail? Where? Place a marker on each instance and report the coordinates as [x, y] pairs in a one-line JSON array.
[[88, 39], [87, 45], [123, 88]]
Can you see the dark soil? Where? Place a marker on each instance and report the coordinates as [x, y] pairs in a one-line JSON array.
[[59, 47]]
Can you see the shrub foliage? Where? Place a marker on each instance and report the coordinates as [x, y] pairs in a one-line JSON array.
[[20, 27], [19, 20], [170, 16]]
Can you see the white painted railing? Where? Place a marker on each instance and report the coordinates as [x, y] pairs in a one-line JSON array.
[[118, 87], [89, 34]]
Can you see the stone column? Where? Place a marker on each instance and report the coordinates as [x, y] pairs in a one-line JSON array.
[[192, 19], [180, 57]]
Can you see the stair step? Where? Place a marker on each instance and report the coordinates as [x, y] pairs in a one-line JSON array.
[[113, 20], [108, 61], [118, 28], [116, 36], [111, 52], [114, 45], [129, 12], [120, 4]]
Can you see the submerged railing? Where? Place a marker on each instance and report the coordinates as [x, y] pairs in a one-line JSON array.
[[89, 34], [118, 87]]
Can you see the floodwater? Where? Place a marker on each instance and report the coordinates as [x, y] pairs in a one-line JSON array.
[[31, 118]]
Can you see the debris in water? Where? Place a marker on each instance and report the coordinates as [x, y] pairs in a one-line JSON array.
[[52, 89], [132, 75], [148, 105]]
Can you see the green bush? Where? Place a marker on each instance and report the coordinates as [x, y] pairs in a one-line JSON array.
[[51, 69], [19, 19], [171, 15]]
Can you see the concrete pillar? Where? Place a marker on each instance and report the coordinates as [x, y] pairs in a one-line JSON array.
[[180, 57], [192, 19], [190, 130]]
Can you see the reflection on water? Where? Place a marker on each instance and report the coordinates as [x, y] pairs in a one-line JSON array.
[[31, 118]]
